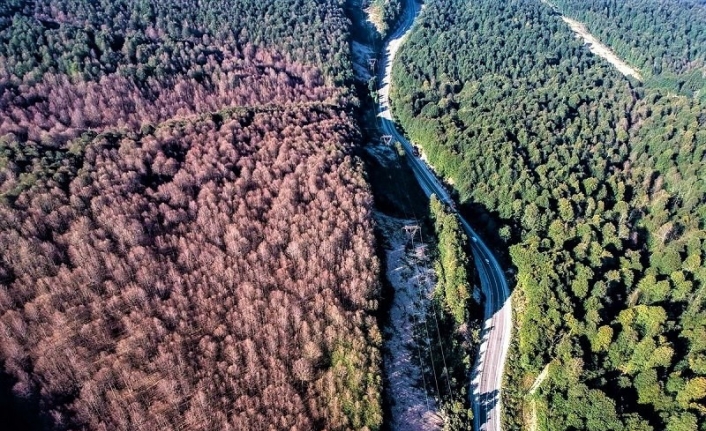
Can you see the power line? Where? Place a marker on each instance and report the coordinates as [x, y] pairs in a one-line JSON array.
[[438, 332], [411, 231], [443, 357], [415, 229], [421, 362]]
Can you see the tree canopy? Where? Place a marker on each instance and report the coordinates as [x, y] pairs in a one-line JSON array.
[[185, 231], [595, 183], [666, 40]]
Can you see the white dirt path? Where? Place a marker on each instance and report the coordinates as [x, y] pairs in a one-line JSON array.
[[600, 49], [596, 46], [537, 383]]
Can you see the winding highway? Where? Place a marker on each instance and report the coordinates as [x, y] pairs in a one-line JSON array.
[[486, 376]]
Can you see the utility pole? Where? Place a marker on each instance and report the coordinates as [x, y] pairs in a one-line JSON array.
[[411, 230], [371, 64]]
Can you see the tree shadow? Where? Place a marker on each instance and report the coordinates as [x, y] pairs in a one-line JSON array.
[[18, 413], [487, 224], [486, 402]]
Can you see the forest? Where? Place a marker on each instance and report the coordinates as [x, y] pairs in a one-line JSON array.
[[459, 316], [666, 40], [592, 186], [453, 262], [143, 39], [185, 230]]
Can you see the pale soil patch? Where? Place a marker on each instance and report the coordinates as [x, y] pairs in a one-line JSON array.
[[601, 50], [595, 45], [533, 417], [532, 421], [385, 155], [411, 408]]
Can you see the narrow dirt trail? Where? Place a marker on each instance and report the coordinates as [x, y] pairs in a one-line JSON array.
[[595, 45], [600, 49], [538, 381]]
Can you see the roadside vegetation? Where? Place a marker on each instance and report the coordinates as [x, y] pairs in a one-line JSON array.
[[453, 285], [593, 185], [456, 313], [384, 14]]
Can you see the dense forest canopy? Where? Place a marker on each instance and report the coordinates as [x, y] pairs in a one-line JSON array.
[[220, 269], [185, 234], [146, 38], [124, 63], [595, 185], [666, 40]]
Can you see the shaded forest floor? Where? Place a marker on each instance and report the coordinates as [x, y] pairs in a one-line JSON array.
[[399, 201]]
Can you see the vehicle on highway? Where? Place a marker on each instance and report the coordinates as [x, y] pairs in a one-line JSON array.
[[493, 291]]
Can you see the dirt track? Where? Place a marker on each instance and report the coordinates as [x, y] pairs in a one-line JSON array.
[[601, 50]]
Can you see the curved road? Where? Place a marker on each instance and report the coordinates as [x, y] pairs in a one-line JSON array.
[[486, 378]]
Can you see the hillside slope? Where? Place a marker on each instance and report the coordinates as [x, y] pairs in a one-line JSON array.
[[593, 184], [185, 232]]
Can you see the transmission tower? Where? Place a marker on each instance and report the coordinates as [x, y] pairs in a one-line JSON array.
[[411, 231]]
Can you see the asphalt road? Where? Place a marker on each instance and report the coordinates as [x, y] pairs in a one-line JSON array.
[[486, 377]]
